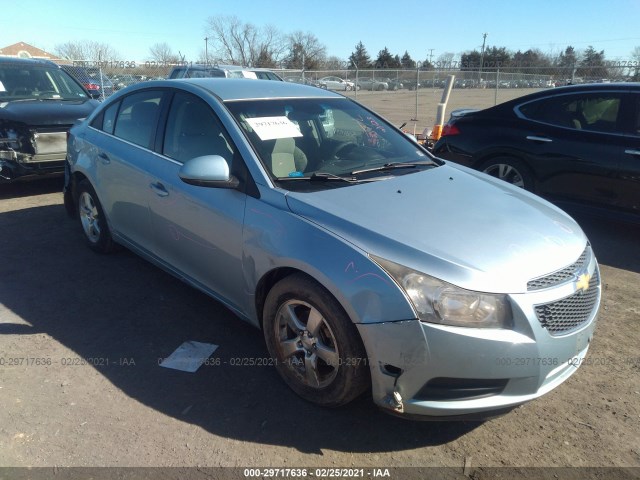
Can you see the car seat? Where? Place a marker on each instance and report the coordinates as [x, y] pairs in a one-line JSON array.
[[286, 158]]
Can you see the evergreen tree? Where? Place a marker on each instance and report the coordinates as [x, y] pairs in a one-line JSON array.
[[592, 65], [406, 61], [360, 58]]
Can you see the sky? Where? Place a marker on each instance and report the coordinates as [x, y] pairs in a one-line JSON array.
[[426, 29]]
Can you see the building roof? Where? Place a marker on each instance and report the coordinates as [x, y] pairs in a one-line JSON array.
[[24, 50]]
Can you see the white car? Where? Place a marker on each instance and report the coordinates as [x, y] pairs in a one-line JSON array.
[[336, 83]]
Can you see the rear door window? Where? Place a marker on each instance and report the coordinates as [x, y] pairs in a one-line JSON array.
[[596, 112], [138, 117]]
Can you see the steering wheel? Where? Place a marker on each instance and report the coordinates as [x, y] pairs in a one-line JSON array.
[[342, 149]]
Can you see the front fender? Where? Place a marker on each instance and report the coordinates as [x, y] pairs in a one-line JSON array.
[[274, 238]]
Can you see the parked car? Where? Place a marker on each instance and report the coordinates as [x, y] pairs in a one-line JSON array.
[[237, 71], [93, 79], [368, 83], [196, 71], [303, 81], [411, 84], [38, 104], [124, 80], [392, 83], [336, 83], [368, 263], [219, 71], [577, 144]]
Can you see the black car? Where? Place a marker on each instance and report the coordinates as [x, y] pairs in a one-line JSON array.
[[38, 104], [97, 83], [577, 145]]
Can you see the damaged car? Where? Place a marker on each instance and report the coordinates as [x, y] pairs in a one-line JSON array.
[[369, 264], [38, 104]]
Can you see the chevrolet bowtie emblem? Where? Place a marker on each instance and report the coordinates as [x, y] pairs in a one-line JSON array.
[[583, 282]]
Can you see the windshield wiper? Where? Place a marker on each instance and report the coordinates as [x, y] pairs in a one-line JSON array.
[[320, 177], [391, 166], [327, 177]]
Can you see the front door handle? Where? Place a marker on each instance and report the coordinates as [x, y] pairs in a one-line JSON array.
[[535, 138], [159, 189], [632, 152]]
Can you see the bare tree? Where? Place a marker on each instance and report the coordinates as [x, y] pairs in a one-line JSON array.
[[635, 71], [305, 51], [243, 43], [334, 63], [445, 60], [87, 51], [162, 53]]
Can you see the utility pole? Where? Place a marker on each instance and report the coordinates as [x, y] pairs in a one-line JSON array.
[[484, 41], [206, 51], [431, 55]]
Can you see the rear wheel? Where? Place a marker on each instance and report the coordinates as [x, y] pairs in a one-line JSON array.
[[92, 219], [511, 170], [316, 347]]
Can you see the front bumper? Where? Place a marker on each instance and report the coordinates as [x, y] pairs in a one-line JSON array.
[[13, 170], [443, 372], [39, 153]]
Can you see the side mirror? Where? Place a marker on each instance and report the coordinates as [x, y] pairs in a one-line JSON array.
[[208, 171]]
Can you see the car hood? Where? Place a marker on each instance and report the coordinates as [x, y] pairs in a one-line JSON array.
[[453, 223], [46, 112]]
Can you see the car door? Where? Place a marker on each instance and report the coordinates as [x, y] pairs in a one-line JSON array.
[[629, 172], [576, 143], [197, 230], [124, 158]]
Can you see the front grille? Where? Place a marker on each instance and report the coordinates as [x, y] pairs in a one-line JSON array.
[[561, 276], [563, 316]]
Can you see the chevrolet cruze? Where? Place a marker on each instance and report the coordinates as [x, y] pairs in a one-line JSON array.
[[369, 264]]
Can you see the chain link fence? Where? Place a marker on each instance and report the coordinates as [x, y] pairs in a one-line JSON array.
[[380, 89]]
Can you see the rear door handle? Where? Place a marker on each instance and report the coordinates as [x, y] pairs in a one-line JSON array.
[[104, 158], [632, 152], [159, 189], [535, 138]]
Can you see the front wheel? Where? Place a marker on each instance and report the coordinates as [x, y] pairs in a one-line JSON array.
[[510, 170], [316, 347], [92, 219]]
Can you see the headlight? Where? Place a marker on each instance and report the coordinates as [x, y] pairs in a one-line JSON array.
[[436, 301]]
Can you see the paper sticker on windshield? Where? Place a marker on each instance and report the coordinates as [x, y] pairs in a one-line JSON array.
[[269, 128], [2, 89]]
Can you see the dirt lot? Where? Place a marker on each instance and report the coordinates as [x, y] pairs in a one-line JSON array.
[[95, 396], [400, 106]]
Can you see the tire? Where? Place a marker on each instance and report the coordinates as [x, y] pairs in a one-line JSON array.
[[332, 378], [92, 220], [511, 170]]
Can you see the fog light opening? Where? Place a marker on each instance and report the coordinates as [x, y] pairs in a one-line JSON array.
[[391, 370]]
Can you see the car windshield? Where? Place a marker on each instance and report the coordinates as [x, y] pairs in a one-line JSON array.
[[18, 82], [328, 139]]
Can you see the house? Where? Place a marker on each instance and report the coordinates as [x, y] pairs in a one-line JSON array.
[[24, 50]]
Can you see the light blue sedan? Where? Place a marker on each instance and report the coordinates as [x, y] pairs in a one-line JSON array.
[[369, 264]]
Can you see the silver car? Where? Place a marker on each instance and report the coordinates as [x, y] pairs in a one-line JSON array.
[[368, 264], [336, 83]]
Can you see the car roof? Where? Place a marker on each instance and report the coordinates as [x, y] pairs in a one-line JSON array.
[[569, 89], [28, 61], [228, 89]]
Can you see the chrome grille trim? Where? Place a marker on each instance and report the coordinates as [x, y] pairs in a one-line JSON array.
[[567, 274]]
